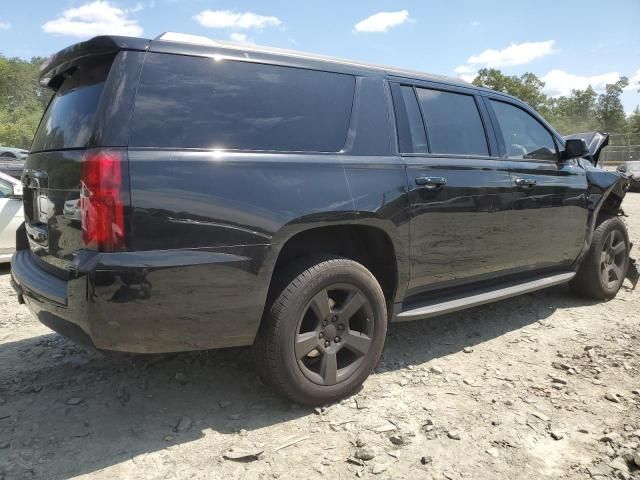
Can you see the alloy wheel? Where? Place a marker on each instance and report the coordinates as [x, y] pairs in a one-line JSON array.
[[334, 334], [612, 259]]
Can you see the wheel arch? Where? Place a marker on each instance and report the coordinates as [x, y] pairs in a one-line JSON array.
[[605, 193], [373, 244]]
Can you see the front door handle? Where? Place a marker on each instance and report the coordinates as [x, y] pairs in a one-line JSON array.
[[431, 182], [525, 182]]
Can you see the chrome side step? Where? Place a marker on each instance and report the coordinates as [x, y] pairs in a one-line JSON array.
[[442, 306]]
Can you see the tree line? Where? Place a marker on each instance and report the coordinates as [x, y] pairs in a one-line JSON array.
[[581, 111], [23, 100]]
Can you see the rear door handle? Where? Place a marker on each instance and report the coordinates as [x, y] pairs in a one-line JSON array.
[[525, 182], [431, 182]]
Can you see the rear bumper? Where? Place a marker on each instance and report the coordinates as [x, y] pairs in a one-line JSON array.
[[26, 274], [150, 302]]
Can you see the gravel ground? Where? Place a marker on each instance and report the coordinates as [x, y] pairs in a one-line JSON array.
[[542, 386]]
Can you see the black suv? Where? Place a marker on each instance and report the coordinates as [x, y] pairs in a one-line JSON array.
[[184, 195]]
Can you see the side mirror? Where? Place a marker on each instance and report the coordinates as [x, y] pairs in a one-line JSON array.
[[574, 148], [622, 169]]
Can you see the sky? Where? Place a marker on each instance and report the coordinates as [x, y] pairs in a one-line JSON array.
[[568, 43]]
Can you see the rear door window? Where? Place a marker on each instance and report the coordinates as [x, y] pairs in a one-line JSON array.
[[70, 117], [454, 125], [412, 137], [524, 137], [194, 102]]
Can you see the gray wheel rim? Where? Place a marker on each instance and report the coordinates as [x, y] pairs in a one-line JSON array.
[[612, 259], [334, 334]]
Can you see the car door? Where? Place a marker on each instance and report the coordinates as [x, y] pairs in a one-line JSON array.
[[459, 189], [549, 217], [10, 216]]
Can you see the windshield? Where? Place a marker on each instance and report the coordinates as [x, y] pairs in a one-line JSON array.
[[633, 167]]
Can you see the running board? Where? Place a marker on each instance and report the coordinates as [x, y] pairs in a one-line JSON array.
[[442, 306]]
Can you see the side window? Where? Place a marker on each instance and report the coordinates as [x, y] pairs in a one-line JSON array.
[[453, 123], [418, 140], [5, 188], [524, 137], [193, 102]]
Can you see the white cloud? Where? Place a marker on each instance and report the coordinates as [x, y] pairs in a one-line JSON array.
[[5, 25], [559, 82], [239, 37], [468, 77], [514, 54], [136, 8], [466, 72], [229, 19], [382, 21], [91, 19], [465, 69]]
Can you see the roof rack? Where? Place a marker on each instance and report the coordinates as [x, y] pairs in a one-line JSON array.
[[207, 42]]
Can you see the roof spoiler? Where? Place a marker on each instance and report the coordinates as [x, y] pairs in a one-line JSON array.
[[65, 59], [595, 141]]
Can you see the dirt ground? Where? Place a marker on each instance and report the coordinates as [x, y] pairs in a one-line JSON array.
[[542, 386]]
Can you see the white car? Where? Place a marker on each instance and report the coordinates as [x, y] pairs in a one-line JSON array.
[[11, 215]]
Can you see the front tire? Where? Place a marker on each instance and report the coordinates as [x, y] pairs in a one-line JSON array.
[[324, 331], [603, 270]]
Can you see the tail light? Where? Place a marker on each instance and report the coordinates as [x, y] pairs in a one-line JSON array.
[[101, 204]]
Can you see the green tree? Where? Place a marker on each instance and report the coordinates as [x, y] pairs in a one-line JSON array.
[[575, 113], [527, 87], [581, 111], [22, 100], [633, 126], [609, 110]]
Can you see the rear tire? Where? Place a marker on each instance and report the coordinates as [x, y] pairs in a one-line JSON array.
[[603, 270], [323, 332]]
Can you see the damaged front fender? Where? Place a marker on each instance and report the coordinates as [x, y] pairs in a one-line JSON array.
[[605, 192]]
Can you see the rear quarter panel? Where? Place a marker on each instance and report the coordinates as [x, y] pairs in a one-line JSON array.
[[222, 218]]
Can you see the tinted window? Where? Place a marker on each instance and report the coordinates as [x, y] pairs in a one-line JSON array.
[[69, 119], [191, 102], [417, 143], [524, 137], [6, 189], [453, 123]]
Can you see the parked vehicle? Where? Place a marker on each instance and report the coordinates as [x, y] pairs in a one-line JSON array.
[[11, 166], [632, 171], [12, 152], [239, 195], [11, 215], [12, 161], [71, 208]]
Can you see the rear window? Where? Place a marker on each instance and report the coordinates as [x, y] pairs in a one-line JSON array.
[[70, 117], [193, 102], [453, 123]]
